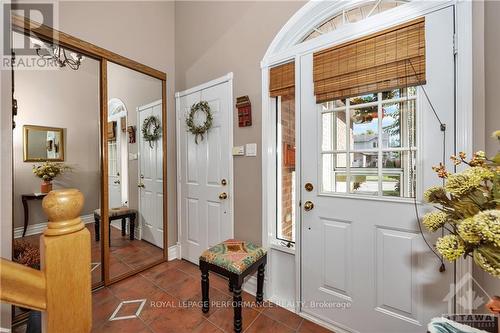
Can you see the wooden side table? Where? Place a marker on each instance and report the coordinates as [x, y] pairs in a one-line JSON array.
[[25, 198]]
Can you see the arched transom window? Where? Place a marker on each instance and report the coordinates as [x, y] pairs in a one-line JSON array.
[[352, 15]]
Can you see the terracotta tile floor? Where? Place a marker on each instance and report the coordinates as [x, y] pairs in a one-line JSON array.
[[168, 291], [125, 254]]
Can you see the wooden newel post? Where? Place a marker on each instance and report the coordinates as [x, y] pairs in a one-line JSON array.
[[65, 260]]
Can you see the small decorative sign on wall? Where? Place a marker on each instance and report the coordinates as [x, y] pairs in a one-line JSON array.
[[244, 111]]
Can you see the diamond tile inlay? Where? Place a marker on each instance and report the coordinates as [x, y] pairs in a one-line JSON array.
[[141, 303]]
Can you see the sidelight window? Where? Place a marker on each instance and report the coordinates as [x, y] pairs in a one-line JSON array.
[[368, 144]]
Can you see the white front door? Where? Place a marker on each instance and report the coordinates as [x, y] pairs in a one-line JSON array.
[[115, 155], [151, 179], [204, 171], [365, 267]]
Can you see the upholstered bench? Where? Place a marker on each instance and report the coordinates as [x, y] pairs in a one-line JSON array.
[[120, 213], [235, 260]]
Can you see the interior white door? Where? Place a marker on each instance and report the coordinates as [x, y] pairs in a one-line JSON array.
[[114, 165], [151, 178], [114, 187], [362, 252], [205, 214]]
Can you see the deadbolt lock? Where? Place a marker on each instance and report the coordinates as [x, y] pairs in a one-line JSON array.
[[308, 205], [309, 187], [223, 182]]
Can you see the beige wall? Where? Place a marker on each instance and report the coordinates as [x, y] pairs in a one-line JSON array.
[[492, 111], [142, 31], [212, 39], [70, 101]]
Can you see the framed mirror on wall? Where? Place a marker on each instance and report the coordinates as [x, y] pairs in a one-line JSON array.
[[41, 143], [99, 149]]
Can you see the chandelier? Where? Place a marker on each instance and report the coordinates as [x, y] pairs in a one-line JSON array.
[[58, 55]]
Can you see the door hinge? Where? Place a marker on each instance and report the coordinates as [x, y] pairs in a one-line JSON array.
[[455, 44]]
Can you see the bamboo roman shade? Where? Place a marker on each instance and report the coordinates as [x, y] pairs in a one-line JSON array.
[[389, 59], [282, 80]]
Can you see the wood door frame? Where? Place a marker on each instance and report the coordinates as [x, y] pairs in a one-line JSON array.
[[287, 46], [51, 35], [223, 79]]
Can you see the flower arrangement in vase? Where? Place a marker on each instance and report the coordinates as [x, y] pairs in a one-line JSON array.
[[468, 207], [47, 172]]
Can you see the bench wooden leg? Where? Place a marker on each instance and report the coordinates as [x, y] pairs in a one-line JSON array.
[[132, 227], [237, 300], [260, 284], [124, 225], [97, 228], [204, 287]]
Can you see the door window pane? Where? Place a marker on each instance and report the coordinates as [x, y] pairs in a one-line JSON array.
[[363, 99], [377, 138], [364, 160], [364, 184], [334, 131], [398, 124], [391, 159], [286, 162], [332, 164], [399, 93], [364, 128], [391, 185]]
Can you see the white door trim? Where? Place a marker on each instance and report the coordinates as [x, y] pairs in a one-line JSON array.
[[203, 86], [284, 48], [226, 78]]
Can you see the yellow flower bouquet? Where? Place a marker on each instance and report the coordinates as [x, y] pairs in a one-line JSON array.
[[468, 208]]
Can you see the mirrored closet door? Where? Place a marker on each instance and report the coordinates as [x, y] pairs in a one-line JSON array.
[[56, 144], [135, 134]]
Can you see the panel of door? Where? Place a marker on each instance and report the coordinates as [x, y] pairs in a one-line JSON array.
[[205, 213], [151, 180], [363, 256]]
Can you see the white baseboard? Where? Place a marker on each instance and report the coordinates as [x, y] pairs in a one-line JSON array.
[[38, 228], [174, 252], [250, 285]]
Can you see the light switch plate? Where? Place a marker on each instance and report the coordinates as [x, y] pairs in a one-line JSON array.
[[251, 149], [239, 151]]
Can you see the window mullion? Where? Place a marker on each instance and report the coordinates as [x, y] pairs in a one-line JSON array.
[[348, 144], [380, 143]]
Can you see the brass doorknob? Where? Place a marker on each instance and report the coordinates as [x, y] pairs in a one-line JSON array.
[[308, 205], [141, 185], [117, 182], [223, 196]]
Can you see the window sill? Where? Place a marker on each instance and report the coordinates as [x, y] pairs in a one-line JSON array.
[[276, 245]]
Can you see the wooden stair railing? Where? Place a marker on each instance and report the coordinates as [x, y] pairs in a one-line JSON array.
[[62, 288]]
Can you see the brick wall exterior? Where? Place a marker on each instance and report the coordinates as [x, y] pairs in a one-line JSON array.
[[288, 138]]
